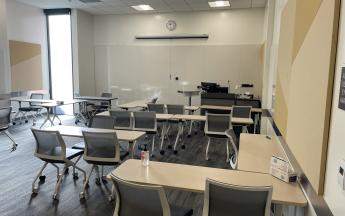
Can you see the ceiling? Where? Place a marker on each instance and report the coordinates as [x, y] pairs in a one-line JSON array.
[[124, 6]]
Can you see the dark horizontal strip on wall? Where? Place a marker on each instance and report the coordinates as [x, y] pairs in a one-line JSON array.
[[58, 11], [318, 202], [164, 37]]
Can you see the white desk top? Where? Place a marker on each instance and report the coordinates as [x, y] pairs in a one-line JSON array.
[[158, 115], [19, 99], [74, 131], [94, 98], [193, 178], [135, 104], [255, 152], [226, 108]]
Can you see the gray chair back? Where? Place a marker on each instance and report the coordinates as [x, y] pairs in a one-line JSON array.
[[5, 117], [224, 199], [154, 100], [36, 96], [104, 122], [144, 121], [49, 145], [106, 94], [158, 108], [217, 124], [102, 147], [136, 199], [175, 109], [123, 119], [5, 103], [241, 111]]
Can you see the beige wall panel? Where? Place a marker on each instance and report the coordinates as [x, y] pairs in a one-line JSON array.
[[310, 95], [27, 75], [22, 51], [280, 109], [306, 10], [284, 64]]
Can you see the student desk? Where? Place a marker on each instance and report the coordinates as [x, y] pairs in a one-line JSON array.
[[255, 152], [122, 135], [193, 179], [226, 108]]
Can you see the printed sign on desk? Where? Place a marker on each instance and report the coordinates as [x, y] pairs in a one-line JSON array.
[[341, 104]]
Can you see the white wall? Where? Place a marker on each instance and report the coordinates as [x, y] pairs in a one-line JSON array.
[[233, 52], [28, 24], [334, 196], [83, 58], [4, 53]]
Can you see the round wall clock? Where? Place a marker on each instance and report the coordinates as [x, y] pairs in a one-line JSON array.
[[171, 25]]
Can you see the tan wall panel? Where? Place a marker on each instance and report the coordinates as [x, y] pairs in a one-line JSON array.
[[310, 94], [22, 51], [284, 65], [27, 75], [306, 11]]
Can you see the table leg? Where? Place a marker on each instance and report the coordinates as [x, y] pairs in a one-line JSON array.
[[162, 138], [47, 119], [190, 100], [132, 147], [190, 129], [177, 136]]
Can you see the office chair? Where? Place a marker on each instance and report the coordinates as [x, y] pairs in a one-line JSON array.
[[5, 121], [103, 122], [158, 108], [123, 119], [215, 127], [101, 149], [175, 110], [242, 112], [145, 200], [146, 121], [233, 140], [34, 108], [101, 107], [222, 199], [51, 148]]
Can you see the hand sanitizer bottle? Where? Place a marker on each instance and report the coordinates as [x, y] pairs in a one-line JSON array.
[[145, 156]]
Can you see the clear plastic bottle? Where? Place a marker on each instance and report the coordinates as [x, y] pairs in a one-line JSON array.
[[145, 156]]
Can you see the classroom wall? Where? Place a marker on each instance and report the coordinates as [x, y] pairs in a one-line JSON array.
[[134, 69], [28, 24], [4, 52], [334, 195], [85, 52], [305, 82]]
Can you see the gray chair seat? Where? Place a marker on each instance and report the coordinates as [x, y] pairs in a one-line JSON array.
[[180, 211], [123, 155], [4, 128], [30, 108], [81, 146], [70, 153]]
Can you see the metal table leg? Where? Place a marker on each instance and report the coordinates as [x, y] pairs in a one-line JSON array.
[[162, 138], [48, 118], [179, 134]]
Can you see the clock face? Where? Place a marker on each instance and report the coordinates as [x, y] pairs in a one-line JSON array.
[[171, 25]]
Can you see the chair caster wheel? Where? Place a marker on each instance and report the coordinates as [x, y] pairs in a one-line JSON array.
[[75, 123], [98, 181], [13, 123], [82, 196], [35, 191], [169, 147], [110, 198], [60, 123], [175, 152], [75, 176], [66, 171], [56, 197], [85, 124], [104, 181], [183, 147], [196, 133], [42, 178], [33, 124], [162, 152], [189, 136], [26, 121]]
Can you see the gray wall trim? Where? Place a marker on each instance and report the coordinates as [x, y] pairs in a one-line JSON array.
[[317, 202]]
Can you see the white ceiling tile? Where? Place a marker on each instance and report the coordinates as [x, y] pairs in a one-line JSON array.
[[124, 6]]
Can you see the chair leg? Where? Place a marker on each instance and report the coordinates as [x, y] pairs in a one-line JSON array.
[[35, 189], [58, 184], [153, 145], [208, 145], [86, 183], [57, 170], [14, 144], [98, 178], [227, 150]]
